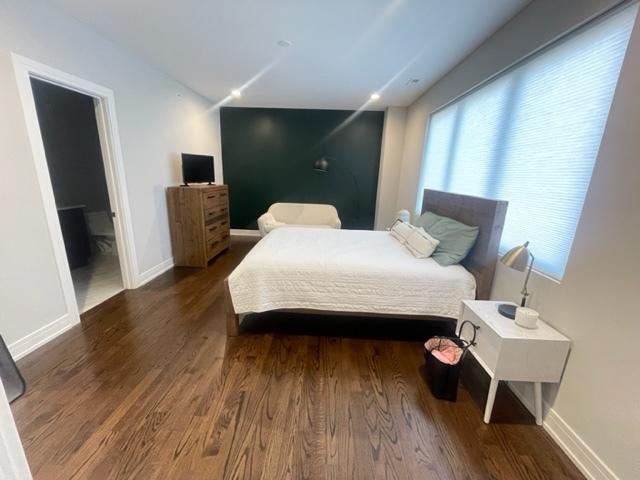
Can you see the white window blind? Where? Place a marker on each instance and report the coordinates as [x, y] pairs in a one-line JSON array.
[[531, 136]]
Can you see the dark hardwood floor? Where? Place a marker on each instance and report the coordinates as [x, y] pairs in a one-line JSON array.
[[150, 387]]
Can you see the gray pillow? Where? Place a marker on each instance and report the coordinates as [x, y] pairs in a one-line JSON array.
[[456, 238]]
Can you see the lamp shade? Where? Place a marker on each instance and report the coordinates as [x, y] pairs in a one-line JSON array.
[[517, 258], [321, 165]]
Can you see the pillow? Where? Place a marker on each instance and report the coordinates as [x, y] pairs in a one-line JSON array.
[[268, 218], [401, 230], [421, 244], [269, 222], [426, 220], [456, 238]]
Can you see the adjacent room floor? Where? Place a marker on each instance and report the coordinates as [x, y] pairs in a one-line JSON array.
[[96, 282], [149, 386]]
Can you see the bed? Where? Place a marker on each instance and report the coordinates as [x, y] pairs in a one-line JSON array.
[[366, 272]]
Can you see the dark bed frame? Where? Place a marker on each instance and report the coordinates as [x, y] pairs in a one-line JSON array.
[[487, 214]]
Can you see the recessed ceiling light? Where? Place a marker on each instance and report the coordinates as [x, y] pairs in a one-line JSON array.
[[375, 96], [284, 43], [235, 93]]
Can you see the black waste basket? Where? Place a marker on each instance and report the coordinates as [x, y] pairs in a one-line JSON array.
[[444, 356]]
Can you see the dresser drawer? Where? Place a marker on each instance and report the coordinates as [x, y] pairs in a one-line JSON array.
[[216, 214], [215, 198], [213, 229], [487, 340], [217, 244]]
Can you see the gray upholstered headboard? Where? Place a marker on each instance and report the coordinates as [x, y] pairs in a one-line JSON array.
[[484, 213]]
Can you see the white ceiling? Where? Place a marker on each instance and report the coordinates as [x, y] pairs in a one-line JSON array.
[[343, 50]]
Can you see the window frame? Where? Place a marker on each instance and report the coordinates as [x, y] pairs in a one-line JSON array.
[[569, 34]]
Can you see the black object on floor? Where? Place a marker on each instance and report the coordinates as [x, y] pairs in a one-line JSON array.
[[14, 384], [443, 377], [76, 236]]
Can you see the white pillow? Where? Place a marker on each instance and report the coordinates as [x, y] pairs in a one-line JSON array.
[[421, 244], [269, 222], [401, 231], [268, 218]]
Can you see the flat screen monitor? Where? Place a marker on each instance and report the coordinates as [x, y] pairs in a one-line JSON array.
[[197, 168]]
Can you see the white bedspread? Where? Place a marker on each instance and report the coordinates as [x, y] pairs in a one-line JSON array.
[[345, 271]]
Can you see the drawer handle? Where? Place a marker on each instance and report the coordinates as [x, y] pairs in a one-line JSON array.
[[211, 196]]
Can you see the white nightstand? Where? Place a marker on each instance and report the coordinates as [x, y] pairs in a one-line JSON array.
[[509, 352]]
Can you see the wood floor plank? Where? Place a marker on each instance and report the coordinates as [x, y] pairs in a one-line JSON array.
[[309, 449], [149, 386], [383, 431]]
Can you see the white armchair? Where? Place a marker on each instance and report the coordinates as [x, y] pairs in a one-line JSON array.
[[309, 215]]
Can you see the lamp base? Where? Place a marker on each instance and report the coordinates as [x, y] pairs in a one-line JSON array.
[[507, 310]]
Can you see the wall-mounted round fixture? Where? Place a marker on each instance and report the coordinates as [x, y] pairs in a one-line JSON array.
[[374, 97], [321, 165], [284, 43], [235, 93]]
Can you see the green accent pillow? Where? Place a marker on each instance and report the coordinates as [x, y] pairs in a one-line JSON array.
[[456, 238], [427, 220]]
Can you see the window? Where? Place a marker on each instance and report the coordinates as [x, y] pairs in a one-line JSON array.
[[531, 136]]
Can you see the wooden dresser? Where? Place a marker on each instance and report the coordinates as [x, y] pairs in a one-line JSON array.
[[199, 221]]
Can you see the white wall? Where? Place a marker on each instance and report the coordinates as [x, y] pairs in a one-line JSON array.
[[596, 411], [595, 304], [390, 162], [155, 126]]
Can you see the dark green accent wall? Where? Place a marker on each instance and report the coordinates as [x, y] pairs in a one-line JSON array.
[[268, 154]]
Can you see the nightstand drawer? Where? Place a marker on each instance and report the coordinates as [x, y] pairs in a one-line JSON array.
[[487, 346], [510, 352]]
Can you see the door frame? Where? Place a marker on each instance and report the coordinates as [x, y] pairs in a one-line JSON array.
[[105, 107]]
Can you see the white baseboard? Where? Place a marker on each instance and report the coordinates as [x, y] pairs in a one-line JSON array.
[[148, 275], [245, 233], [28, 344], [576, 449], [568, 440]]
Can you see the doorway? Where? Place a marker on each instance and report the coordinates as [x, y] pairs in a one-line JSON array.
[[104, 107], [69, 131]]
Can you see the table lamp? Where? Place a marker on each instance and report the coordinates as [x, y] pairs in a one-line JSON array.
[[518, 259]]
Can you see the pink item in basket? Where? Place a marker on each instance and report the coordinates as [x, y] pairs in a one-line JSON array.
[[445, 350]]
